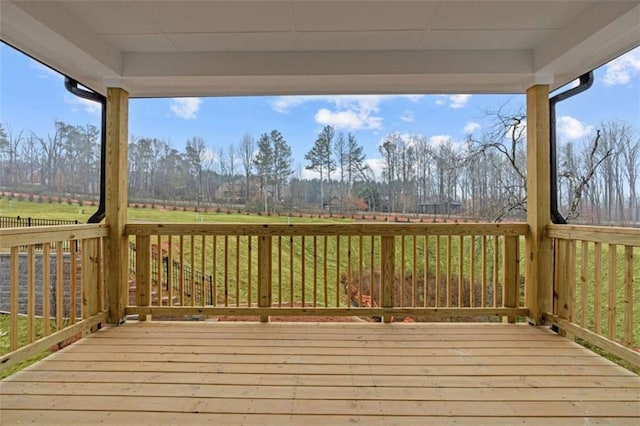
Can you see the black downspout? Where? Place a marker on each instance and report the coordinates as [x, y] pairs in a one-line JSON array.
[[586, 81], [72, 86]]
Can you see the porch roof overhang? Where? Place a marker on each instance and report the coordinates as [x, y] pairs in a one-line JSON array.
[[219, 48]]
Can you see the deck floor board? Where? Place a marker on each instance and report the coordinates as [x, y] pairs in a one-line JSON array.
[[321, 373]]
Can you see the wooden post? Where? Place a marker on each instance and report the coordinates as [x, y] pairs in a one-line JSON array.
[[143, 272], [116, 247], [388, 263], [90, 277], [538, 273], [264, 274], [511, 270]]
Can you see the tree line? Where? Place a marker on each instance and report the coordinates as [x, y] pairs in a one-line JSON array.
[[483, 177]]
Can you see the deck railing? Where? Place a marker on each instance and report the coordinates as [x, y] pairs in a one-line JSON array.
[[426, 271], [52, 294], [597, 286]]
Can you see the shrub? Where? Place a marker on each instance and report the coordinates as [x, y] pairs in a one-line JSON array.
[[20, 197], [31, 198], [79, 203]]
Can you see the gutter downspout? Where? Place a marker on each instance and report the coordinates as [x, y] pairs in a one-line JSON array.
[[586, 81], [72, 86]]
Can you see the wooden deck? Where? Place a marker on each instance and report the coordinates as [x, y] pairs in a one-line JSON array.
[[321, 373]]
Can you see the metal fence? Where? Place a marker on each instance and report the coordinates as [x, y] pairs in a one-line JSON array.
[[24, 222], [194, 284]]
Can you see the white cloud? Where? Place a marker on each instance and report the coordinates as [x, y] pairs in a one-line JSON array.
[[471, 127], [459, 101], [351, 112], [186, 108], [77, 103], [438, 140], [623, 69], [454, 101], [376, 165], [570, 129], [407, 116]]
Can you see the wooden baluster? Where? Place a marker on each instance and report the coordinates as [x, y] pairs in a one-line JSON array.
[[387, 263], [315, 271], [437, 295], [181, 271], [583, 283], [46, 289], [597, 288], [303, 272], [402, 272], [425, 290], [73, 245], [414, 273], [143, 272], [59, 286], [249, 267], [460, 271], [612, 291], [627, 339], [264, 274], [237, 259], [511, 275], [448, 271], [15, 292], [472, 275], [31, 293]]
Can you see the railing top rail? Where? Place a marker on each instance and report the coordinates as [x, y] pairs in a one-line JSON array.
[[12, 237], [599, 234], [342, 229]]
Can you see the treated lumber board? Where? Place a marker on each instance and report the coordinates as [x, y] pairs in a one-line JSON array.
[[428, 313], [599, 234], [322, 359], [353, 351], [261, 368], [382, 393], [305, 406], [596, 382], [327, 229], [15, 237], [455, 345], [71, 418]]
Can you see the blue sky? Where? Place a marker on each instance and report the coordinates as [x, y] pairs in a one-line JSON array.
[[32, 97]]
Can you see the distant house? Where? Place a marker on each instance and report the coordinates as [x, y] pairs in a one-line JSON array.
[[440, 207], [235, 190]]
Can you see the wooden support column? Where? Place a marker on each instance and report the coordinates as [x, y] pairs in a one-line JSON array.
[[539, 271], [116, 247]]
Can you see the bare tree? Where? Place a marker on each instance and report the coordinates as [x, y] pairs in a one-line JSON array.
[[247, 148]]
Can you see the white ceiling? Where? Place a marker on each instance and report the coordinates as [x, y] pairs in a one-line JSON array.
[[186, 48]]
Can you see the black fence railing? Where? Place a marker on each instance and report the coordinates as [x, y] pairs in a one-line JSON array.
[[24, 222], [195, 286]]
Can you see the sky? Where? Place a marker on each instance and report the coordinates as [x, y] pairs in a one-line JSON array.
[[32, 97]]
